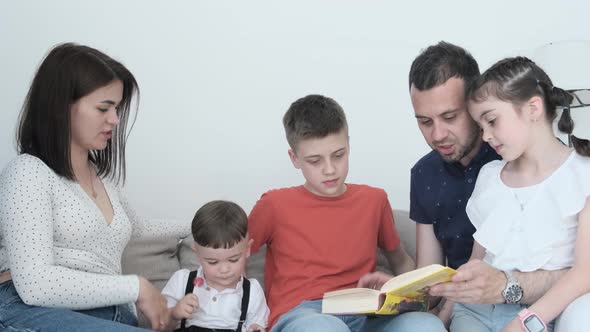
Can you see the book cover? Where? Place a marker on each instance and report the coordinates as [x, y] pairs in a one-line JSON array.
[[403, 293]]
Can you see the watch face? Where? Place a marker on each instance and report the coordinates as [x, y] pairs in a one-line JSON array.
[[513, 294], [534, 324]]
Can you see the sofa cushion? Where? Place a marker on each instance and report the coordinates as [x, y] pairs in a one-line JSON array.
[[157, 260]]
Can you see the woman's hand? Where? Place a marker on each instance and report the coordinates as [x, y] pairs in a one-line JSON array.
[[153, 305]]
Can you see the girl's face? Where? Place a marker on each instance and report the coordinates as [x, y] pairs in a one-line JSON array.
[[506, 128], [94, 116], [223, 267]]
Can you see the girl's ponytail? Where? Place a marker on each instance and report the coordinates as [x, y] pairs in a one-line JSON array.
[[559, 97]]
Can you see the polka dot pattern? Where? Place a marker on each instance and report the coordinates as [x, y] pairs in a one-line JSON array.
[[438, 196], [57, 244]]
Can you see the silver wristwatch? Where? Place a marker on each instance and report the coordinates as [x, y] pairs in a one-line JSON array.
[[513, 292]]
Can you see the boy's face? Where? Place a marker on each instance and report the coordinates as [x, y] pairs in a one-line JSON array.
[[324, 163], [223, 267]]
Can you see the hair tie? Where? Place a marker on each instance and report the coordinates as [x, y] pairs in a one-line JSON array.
[[538, 82]]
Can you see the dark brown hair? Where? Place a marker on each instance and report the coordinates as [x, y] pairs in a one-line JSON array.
[[438, 63], [516, 80], [219, 224], [313, 116], [68, 73]]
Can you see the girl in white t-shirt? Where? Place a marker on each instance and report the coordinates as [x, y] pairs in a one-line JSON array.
[[531, 210]]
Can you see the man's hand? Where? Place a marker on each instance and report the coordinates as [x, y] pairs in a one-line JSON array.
[[374, 280], [474, 282], [185, 308]]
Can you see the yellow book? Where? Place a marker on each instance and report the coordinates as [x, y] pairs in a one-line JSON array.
[[403, 293]]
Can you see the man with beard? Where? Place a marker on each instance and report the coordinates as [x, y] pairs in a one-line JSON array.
[[442, 181], [441, 184]]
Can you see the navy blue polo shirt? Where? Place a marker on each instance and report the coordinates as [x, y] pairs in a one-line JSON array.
[[439, 192]]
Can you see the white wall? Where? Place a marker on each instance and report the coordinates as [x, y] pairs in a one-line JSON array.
[[217, 76]]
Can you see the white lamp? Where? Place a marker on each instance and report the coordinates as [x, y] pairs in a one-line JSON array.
[[568, 65]]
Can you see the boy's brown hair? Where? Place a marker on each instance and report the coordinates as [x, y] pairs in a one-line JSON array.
[[313, 116]]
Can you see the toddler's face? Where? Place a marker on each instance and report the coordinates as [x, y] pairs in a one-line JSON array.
[[223, 267]]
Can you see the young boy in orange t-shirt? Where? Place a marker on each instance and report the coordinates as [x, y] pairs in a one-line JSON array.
[[323, 236]]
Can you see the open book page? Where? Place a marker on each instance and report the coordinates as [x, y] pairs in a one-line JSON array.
[[362, 300], [412, 284], [406, 292], [409, 291]]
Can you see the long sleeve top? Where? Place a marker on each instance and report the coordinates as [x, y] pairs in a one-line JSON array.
[[59, 248]]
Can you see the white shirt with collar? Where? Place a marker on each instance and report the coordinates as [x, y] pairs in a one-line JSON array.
[[218, 309]]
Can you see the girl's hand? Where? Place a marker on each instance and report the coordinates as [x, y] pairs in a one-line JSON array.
[[255, 328], [513, 326], [185, 308], [153, 305], [445, 314]]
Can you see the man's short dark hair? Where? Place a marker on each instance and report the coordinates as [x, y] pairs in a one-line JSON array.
[[313, 116], [219, 224], [438, 63]]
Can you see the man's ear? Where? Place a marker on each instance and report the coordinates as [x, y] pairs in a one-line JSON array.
[[294, 159], [535, 108]]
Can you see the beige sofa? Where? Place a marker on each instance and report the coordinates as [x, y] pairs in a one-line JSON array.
[[158, 260]]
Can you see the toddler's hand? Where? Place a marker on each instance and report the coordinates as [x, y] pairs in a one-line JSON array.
[[185, 307], [256, 328]]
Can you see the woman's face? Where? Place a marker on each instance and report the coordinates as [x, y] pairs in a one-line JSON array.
[[94, 116]]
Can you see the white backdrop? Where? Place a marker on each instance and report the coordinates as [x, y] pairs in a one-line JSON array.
[[217, 76]]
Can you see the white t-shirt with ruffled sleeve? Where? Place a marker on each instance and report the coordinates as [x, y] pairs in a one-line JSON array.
[[530, 228]]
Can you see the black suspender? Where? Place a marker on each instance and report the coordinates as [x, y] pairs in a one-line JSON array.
[[245, 300], [190, 285]]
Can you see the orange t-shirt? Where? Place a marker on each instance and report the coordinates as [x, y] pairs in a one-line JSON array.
[[318, 244]]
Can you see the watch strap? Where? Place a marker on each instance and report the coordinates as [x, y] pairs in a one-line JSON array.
[[511, 283], [526, 313]]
